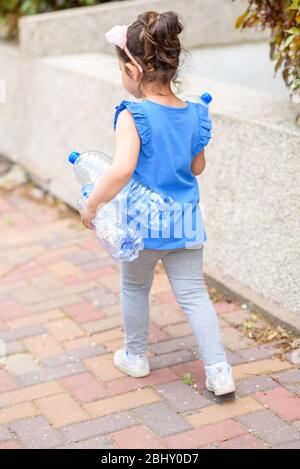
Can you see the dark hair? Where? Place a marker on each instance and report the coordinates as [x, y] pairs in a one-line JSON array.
[[153, 41]]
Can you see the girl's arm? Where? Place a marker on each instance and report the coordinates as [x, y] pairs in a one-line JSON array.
[[119, 172], [198, 163]]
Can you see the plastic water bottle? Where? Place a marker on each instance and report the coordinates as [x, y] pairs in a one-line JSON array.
[[112, 223], [204, 99]]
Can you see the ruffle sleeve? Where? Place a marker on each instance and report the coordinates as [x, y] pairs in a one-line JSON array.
[[202, 134], [141, 122]]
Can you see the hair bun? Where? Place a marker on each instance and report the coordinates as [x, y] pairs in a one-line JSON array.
[[159, 35]]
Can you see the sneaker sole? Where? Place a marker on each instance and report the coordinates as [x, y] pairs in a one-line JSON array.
[[221, 391], [130, 373]]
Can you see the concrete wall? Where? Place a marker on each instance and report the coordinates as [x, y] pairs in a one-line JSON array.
[[82, 29]]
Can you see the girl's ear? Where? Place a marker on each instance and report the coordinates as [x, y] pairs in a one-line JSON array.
[[133, 71]]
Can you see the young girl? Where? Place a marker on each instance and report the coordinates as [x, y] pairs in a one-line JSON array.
[[161, 139]]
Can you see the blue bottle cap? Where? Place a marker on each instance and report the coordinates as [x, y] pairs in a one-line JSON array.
[[73, 156], [206, 97]]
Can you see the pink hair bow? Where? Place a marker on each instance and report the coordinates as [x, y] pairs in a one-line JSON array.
[[118, 36]]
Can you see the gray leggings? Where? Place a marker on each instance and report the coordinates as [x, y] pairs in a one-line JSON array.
[[184, 268]]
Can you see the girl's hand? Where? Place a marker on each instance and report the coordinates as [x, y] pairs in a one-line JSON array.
[[87, 215]]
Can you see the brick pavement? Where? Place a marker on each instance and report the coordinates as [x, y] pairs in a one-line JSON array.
[[60, 322]]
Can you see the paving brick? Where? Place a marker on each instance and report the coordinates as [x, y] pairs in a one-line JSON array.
[[64, 329], [168, 298], [111, 282], [237, 317], [127, 438], [95, 339], [296, 425], [294, 388], [21, 364], [287, 377], [103, 324], [195, 369], [100, 297], [161, 419], [181, 397], [27, 295], [79, 257], [12, 310], [96, 275], [15, 347], [173, 345], [235, 340], [54, 303], [47, 282], [268, 427], [243, 442], [259, 352], [254, 384], [260, 367], [7, 382], [47, 374], [36, 433], [156, 334], [164, 315], [35, 319], [18, 412], [42, 346], [121, 402], [84, 387], [22, 332], [228, 410], [4, 434], [289, 445], [114, 345], [68, 290], [10, 444], [98, 427], [30, 393], [103, 367], [282, 402], [178, 330], [223, 307], [160, 284], [169, 359], [234, 358], [63, 268], [74, 355], [112, 310], [84, 312], [93, 443], [61, 410], [126, 384], [200, 437]]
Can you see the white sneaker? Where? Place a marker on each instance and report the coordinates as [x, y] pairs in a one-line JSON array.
[[219, 378], [134, 365]]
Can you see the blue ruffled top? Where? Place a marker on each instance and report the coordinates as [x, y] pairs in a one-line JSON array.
[[170, 138]]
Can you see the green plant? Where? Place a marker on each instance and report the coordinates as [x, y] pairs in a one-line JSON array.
[[283, 18], [187, 379], [11, 10]]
